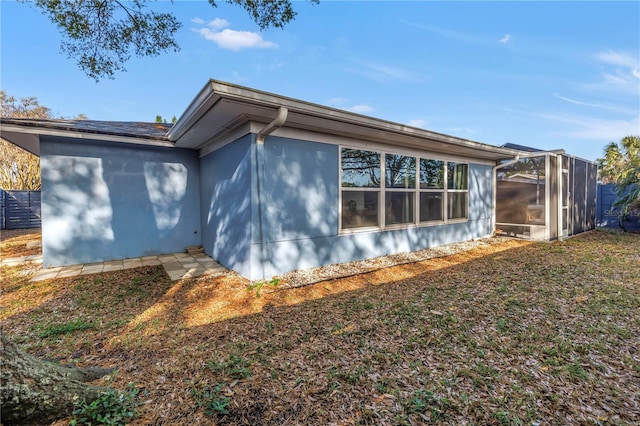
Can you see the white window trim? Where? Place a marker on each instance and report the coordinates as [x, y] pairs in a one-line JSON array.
[[382, 189]]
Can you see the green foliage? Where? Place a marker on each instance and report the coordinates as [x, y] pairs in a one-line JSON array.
[[257, 286], [52, 330], [22, 108], [621, 166], [423, 401], [102, 35], [211, 400], [161, 119], [234, 366], [576, 372], [111, 408]]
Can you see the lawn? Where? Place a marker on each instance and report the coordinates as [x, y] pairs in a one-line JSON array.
[[515, 333]]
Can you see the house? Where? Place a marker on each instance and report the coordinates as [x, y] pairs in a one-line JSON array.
[[269, 184]]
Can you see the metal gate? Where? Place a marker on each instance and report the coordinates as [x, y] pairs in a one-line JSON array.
[[20, 209], [608, 214]]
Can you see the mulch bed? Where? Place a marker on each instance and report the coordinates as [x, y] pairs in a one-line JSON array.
[[503, 333]]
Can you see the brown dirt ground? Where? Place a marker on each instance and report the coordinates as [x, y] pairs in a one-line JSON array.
[[508, 333]]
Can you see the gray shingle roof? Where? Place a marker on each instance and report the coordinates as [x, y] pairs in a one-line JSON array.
[[155, 131]]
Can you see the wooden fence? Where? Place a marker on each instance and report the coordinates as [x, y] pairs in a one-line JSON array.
[[19, 209]]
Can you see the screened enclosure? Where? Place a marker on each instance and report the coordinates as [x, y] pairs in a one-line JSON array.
[[545, 196]]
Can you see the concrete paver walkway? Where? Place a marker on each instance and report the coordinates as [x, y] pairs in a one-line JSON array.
[[177, 266], [36, 259]]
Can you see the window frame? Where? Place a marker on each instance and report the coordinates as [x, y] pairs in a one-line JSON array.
[[464, 191], [416, 191]]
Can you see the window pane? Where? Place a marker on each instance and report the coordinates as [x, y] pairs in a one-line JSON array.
[[430, 206], [360, 168], [431, 174], [457, 175], [457, 205], [399, 207], [359, 209], [400, 171]]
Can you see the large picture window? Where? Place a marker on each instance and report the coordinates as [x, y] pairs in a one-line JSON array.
[[382, 190]]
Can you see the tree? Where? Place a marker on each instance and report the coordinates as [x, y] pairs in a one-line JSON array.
[[101, 35], [621, 166], [22, 108], [38, 392], [20, 169], [33, 391], [160, 119]]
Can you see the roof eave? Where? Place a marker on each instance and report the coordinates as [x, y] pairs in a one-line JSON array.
[[44, 131], [214, 91]]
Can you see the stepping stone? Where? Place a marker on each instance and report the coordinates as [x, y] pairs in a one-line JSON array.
[[112, 268], [194, 249], [176, 275], [45, 276]]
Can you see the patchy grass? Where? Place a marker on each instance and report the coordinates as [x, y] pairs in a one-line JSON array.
[[52, 330], [514, 333]]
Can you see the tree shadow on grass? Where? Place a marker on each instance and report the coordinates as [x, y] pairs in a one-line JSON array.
[[445, 335]]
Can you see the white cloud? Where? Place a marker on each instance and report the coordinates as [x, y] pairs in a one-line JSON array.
[[617, 58], [585, 127], [573, 101], [621, 72], [198, 21], [235, 40], [360, 109], [418, 122], [608, 107], [218, 23], [505, 39]]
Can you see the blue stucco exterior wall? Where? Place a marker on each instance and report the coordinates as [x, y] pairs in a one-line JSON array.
[[300, 213], [105, 201], [259, 210], [226, 204]]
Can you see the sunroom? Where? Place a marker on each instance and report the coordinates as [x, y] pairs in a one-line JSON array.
[[545, 196]]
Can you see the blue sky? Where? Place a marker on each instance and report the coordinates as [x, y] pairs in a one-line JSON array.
[[544, 74]]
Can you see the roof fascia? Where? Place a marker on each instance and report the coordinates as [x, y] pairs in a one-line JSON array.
[[215, 90], [203, 101]]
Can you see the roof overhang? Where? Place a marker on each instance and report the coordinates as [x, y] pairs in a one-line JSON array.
[[28, 136], [221, 107], [28, 141]]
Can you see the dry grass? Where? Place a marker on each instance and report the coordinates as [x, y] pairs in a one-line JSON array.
[[512, 333], [15, 241]]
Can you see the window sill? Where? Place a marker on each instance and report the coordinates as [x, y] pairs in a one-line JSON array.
[[399, 227]]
